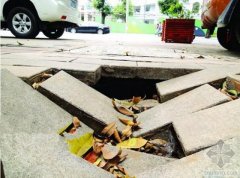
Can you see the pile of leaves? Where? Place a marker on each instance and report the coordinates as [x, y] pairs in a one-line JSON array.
[[104, 149], [231, 88], [97, 148]]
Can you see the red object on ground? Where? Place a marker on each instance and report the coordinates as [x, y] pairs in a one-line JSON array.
[[91, 157], [179, 30]]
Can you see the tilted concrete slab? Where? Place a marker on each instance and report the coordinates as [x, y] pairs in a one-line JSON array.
[[205, 128], [235, 77], [89, 73], [177, 86], [29, 144], [95, 109], [25, 72], [198, 99], [208, 163], [137, 162]]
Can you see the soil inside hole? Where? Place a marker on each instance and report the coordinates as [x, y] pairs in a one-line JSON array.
[[168, 134], [127, 88]]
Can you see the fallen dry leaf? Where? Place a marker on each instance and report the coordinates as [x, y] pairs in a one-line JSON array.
[[126, 121], [117, 136], [97, 147], [125, 111], [134, 143], [35, 85], [76, 122], [127, 132], [136, 99], [158, 141], [109, 152], [109, 129]]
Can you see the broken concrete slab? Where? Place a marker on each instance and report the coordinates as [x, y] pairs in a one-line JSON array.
[[94, 109], [198, 99], [26, 73], [89, 73], [137, 162], [28, 121], [177, 86], [19, 101], [207, 163], [207, 127]]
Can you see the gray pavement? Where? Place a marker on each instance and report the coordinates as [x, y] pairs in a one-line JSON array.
[[166, 113], [29, 143], [183, 67]]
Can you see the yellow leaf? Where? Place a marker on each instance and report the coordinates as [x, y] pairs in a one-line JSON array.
[[79, 146], [133, 143], [124, 103]]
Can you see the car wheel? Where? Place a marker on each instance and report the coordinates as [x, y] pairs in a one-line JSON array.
[[228, 39], [53, 33], [73, 30], [100, 31], [23, 23]]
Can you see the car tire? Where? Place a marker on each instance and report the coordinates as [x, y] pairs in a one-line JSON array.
[[73, 30], [53, 33], [100, 31], [228, 39], [23, 23]]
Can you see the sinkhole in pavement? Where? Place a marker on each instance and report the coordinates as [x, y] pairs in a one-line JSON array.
[[127, 88], [119, 88]]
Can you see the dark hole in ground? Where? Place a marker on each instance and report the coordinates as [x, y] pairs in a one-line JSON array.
[[168, 134], [127, 88]]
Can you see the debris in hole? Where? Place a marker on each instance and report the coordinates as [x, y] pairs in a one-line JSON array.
[[97, 150], [44, 76], [133, 106], [231, 87]]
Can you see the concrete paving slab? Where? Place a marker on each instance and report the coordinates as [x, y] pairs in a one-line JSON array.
[[234, 77], [29, 144], [89, 73], [177, 86], [29, 111], [138, 162], [195, 100], [205, 128], [24, 155], [25, 72], [207, 163], [94, 108]]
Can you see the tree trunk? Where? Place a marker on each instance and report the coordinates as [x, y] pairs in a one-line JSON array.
[[103, 18]]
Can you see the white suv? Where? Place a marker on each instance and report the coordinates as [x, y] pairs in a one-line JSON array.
[[26, 18]]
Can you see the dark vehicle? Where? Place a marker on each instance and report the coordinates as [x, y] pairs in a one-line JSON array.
[[90, 27], [225, 15]]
